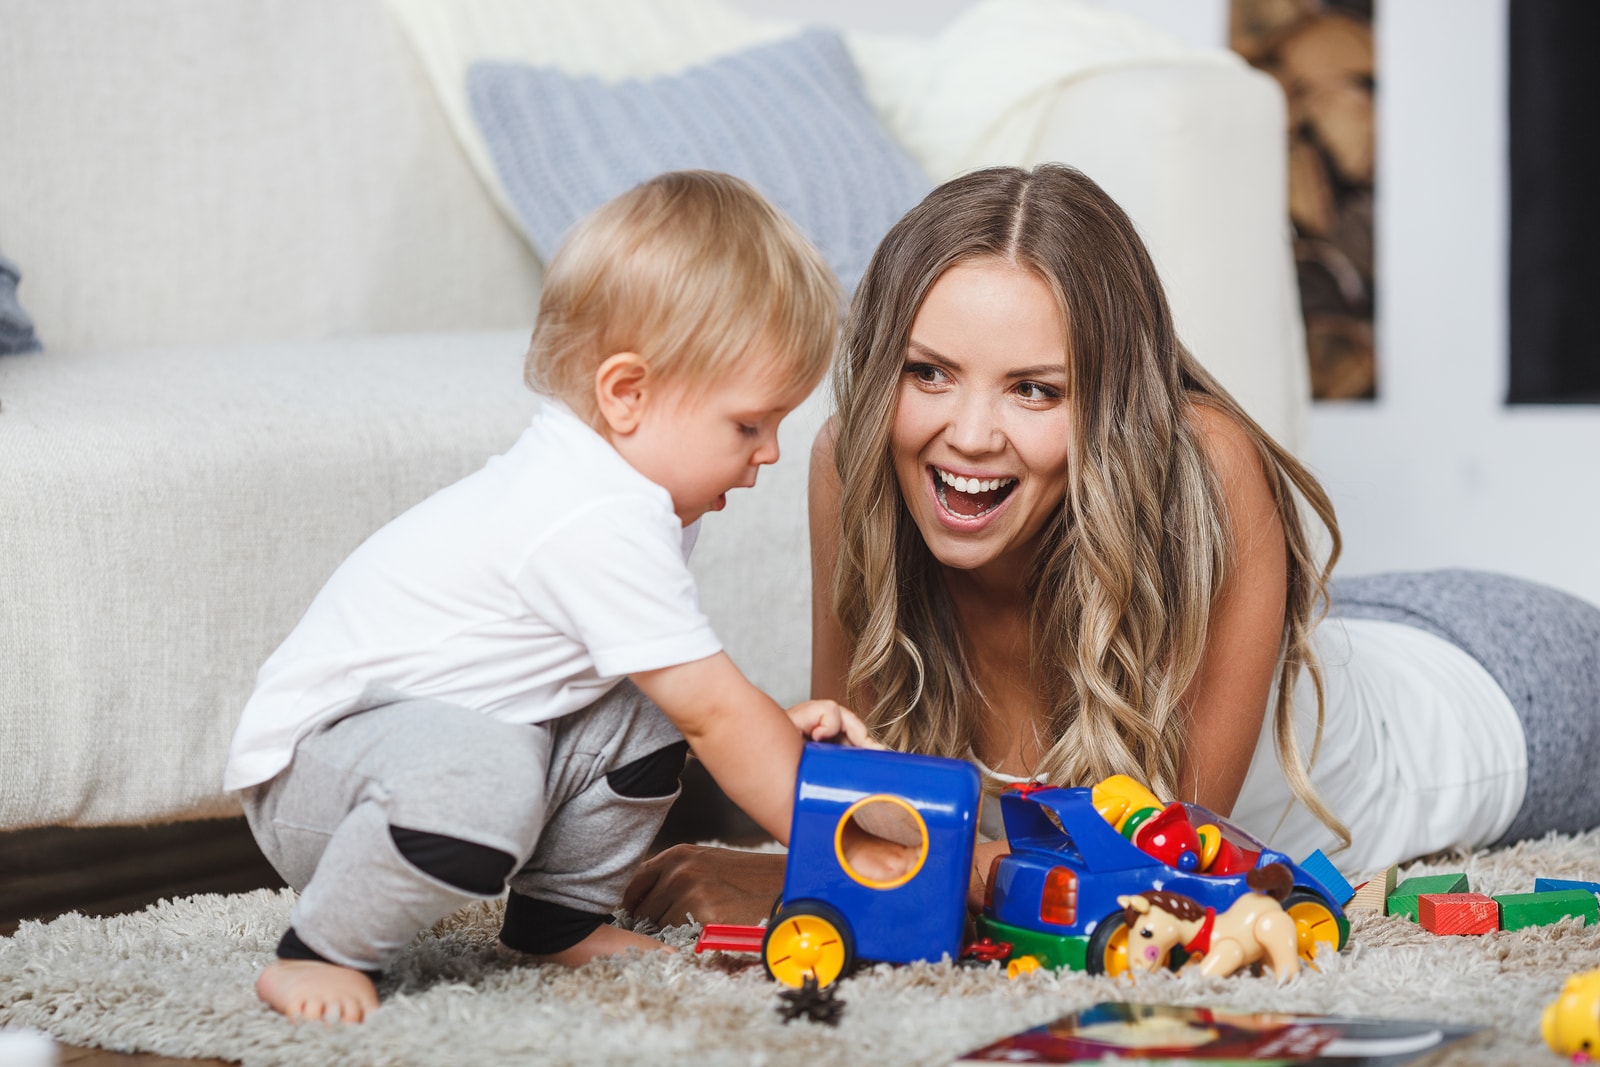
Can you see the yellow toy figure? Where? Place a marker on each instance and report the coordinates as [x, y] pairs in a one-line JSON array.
[[1571, 1025], [1119, 797]]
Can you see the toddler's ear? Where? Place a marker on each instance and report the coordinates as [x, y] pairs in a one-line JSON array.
[[619, 391]]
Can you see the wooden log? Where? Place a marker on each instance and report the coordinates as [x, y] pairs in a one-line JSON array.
[[1352, 233], [1310, 191], [1256, 27], [1339, 112], [1351, 291], [1327, 46], [1341, 356]]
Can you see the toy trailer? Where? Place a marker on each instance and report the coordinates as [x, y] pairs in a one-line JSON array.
[[829, 915]]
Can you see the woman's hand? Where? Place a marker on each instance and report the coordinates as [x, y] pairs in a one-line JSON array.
[[819, 720], [982, 856], [715, 885]]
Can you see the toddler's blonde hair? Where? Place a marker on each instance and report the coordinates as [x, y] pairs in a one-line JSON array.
[[690, 270]]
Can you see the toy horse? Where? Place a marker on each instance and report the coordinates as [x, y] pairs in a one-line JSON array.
[[1255, 928]]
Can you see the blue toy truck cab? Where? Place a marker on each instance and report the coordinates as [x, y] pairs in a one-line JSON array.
[[1053, 899], [830, 915]]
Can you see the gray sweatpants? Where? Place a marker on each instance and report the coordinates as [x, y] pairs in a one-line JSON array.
[[390, 819]]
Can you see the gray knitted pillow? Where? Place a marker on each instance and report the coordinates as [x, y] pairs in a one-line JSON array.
[[790, 117], [16, 329]]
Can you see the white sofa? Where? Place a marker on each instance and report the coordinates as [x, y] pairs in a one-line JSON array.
[[279, 305]]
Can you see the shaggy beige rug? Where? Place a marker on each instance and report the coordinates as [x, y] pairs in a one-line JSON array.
[[177, 979]]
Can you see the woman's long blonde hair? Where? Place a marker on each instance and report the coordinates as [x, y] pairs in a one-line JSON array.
[[1129, 569]]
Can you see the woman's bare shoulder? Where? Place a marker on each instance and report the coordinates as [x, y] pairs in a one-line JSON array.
[[1230, 447], [822, 448]]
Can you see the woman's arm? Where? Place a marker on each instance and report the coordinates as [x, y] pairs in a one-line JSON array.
[[830, 659], [1227, 700]]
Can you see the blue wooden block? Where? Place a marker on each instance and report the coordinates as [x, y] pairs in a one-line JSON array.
[[1550, 885], [1322, 869]]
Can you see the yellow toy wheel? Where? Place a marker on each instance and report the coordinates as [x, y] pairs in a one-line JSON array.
[[1316, 923], [1108, 946], [808, 939]]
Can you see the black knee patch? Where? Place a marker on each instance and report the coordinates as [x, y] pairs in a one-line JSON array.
[[542, 927], [466, 865], [292, 948], [655, 775]]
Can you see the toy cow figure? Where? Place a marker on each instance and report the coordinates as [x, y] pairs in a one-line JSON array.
[[1255, 928]]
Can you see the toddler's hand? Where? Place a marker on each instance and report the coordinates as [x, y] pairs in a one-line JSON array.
[[820, 720]]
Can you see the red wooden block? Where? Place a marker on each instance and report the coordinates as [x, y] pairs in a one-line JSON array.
[[1458, 913]]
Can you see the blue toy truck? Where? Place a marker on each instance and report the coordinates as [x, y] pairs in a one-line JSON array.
[[829, 915]]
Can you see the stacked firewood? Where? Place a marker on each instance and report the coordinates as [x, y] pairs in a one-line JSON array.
[[1321, 53]]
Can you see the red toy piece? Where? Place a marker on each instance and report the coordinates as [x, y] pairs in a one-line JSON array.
[[1170, 838], [1231, 859], [986, 950], [726, 937], [1458, 913]]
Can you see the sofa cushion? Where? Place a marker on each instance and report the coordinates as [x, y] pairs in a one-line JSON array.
[[789, 116], [16, 329]]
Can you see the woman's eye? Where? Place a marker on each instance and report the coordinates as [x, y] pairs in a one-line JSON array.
[[1037, 391], [924, 372]]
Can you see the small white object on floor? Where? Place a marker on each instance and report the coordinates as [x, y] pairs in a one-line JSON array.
[[26, 1048]]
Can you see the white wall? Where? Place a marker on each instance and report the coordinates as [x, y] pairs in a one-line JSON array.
[[1439, 472], [1201, 22]]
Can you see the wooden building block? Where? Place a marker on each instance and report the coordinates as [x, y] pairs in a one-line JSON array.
[[1322, 869], [1458, 913], [1403, 901], [1540, 909], [1373, 894], [1550, 885]]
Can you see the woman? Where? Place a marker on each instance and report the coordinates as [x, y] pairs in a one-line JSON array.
[[1046, 540]]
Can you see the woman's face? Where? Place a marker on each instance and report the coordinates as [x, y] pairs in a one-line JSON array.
[[980, 435]]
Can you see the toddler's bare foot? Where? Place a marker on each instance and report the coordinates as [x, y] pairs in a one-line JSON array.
[[606, 940], [310, 989]]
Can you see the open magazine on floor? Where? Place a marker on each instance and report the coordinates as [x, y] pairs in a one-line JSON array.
[[1166, 1034]]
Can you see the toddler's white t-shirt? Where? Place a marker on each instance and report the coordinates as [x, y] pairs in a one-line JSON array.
[[524, 591]]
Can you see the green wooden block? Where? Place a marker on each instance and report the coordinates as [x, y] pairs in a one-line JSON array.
[[1403, 901], [1541, 909]]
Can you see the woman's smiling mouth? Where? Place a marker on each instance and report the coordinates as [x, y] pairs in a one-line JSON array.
[[969, 498]]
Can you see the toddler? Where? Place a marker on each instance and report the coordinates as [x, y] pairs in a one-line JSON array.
[[499, 688]]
